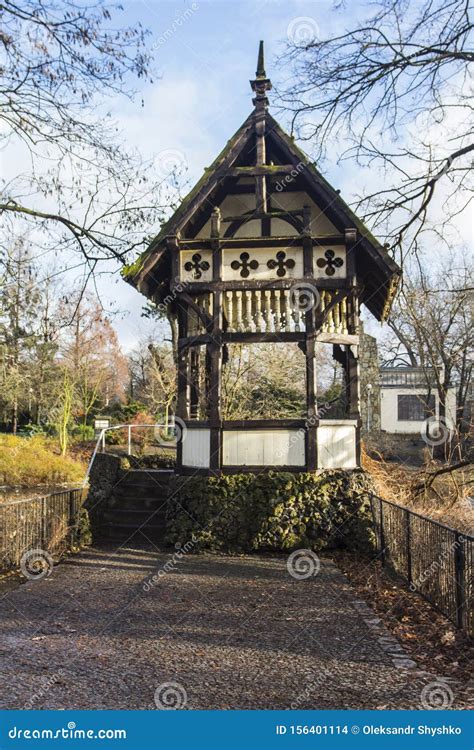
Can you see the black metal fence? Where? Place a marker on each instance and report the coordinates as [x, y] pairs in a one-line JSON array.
[[40, 523], [437, 561]]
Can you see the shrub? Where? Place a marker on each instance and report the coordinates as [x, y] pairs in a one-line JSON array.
[[32, 461], [166, 459], [272, 511], [83, 530]]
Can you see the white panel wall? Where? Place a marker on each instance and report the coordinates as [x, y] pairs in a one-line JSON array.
[[262, 256], [249, 229], [197, 448], [389, 421], [283, 447], [336, 444], [195, 259], [334, 259], [280, 201], [234, 205], [287, 201]]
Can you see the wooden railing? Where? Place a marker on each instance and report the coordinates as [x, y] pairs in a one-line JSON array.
[[273, 311]]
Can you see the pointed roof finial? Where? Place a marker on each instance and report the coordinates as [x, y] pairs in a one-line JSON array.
[[260, 72], [261, 83]]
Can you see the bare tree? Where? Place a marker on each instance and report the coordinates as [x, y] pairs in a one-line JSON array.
[[153, 377], [431, 327], [395, 89], [59, 62]]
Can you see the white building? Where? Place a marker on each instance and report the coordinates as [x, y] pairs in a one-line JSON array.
[[407, 400]]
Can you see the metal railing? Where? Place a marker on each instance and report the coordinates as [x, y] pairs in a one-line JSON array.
[[436, 560], [46, 523], [101, 440]]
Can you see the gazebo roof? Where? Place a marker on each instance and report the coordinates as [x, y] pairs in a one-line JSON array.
[[379, 273]]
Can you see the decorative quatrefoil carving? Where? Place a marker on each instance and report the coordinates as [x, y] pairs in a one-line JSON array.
[[244, 264], [330, 262], [196, 265], [281, 264]]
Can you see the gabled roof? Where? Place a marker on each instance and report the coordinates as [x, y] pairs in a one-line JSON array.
[[377, 270]]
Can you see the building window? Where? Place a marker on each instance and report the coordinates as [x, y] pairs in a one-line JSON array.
[[415, 408]]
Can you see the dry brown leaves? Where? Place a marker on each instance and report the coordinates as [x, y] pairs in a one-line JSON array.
[[428, 637]]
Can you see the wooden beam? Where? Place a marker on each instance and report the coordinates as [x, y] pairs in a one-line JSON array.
[[243, 337], [353, 378], [172, 243], [267, 424], [194, 394], [311, 395], [202, 314], [307, 243], [251, 215], [231, 242], [199, 287], [321, 318], [351, 244], [214, 377], [260, 170]]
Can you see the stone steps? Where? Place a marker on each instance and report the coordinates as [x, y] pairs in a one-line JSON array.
[[138, 501]]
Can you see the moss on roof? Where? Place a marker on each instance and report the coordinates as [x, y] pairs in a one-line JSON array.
[[387, 265], [129, 272]]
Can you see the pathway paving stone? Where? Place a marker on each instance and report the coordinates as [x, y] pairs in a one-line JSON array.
[[230, 632]]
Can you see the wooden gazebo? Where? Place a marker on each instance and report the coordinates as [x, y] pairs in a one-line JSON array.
[[263, 249]]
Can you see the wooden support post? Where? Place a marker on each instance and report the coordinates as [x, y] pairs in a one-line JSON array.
[[182, 401], [194, 382], [182, 405], [307, 243], [173, 245], [353, 392], [214, 359], [350, 236], [311, 395], [216, 245]]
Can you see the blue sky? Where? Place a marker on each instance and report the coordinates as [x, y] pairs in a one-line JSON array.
[[205, 54]]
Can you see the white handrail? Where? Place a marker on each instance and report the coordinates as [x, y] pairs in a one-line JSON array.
[[101, 440]]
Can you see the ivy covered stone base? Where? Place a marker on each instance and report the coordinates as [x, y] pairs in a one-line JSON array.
[[272, 511]]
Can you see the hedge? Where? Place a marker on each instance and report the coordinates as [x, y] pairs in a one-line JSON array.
[[272, 511]]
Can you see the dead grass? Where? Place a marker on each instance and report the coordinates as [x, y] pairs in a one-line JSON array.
[[446, 498], [35, 461]]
